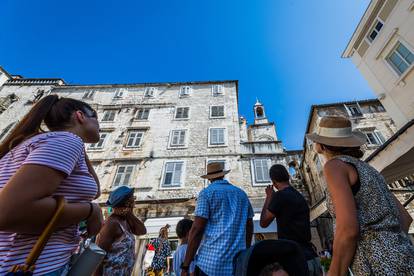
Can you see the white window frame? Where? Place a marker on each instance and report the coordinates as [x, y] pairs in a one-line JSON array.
[[372, 29], [119, 94], [377, 136], [88, 95], [122, 183], [107, 111], [348, 108], [217, 117], [143, 109], [136, 132], [254, 175], [392, 66], [224, 134], [217, 90], [95, 145], [176, 112], [185, 91], [182, 176], [150, 92], [171, 139]]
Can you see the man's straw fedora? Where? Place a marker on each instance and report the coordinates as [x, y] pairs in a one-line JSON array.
[[215, 170], [337, 131]]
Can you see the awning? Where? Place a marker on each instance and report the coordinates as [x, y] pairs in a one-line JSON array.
[[272, 228], [154, 225]]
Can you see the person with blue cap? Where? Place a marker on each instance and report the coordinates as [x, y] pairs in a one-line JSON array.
[[117, 235]]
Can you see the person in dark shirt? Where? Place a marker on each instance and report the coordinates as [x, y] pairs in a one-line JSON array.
[[291, 211]]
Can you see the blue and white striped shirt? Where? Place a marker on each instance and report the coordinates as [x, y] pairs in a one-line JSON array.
[[226, 208]]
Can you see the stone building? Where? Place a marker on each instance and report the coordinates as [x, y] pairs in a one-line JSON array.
[[369, 117], [382, 48], [159, 138]]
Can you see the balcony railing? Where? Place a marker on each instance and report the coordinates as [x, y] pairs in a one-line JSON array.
[[266, 147]]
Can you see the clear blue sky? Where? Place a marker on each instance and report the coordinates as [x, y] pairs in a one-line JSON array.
[[286, 53]]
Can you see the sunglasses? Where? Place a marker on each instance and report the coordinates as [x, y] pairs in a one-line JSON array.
[[91, 113]]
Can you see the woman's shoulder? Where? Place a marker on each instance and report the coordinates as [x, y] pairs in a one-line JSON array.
[[56, 139], [54, 136]]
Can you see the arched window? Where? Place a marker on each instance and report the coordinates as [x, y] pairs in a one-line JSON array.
[[259, 112]]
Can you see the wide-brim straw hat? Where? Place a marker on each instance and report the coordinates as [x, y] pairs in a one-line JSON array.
[[337, 131], [215, 170]]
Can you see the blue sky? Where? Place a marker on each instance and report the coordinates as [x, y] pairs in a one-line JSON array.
[[286, 53]]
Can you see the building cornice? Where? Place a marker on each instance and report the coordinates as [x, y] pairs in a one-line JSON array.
[[35, 81], [146, 84], [361, 27]]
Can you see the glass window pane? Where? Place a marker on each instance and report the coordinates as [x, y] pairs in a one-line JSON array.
[[177, 173], [168, 178], [402, 67], [117, 179], [378, 26], [126, 179], [396, 61], [373, 35], [182, 138], [402, 50], [169, 167]]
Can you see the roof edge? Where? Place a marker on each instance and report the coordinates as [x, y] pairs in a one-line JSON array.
[[390, 140], [348, 51]]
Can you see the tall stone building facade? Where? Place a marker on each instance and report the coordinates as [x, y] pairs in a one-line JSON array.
[[369, 117], [159, 137], [382, 48]]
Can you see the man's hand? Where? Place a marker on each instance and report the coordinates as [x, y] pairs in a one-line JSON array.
[[184, 272], [269, 191]]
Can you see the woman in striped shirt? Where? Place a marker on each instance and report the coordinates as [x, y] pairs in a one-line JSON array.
[[35, 166]]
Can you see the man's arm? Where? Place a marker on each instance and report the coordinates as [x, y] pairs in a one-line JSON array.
[[249, 232], [266, 217], [194, 239]]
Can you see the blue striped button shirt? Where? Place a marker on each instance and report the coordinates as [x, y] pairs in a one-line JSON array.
[[226, 208]]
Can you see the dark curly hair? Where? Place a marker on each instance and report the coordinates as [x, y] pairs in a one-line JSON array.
[[355, 152]]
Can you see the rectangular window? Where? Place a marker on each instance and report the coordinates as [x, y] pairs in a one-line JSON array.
[[185, 91], [400, 58], [217, 111], [88, 94], [217, 89], [134, 139], [150, 92], [142, 114], [123, 175], [375, 30], [182, 112], [354, 110], [374, 138], [261, 170], [100, 144], [177, 138], [119, 94], [217, 136], [109, 115], [172, 174]]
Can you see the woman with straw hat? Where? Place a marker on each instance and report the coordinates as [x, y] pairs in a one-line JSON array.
[[371, 225]]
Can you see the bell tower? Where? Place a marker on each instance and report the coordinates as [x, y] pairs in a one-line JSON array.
[[259, 113]]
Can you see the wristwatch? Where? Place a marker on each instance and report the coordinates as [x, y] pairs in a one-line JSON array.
[[184, 267]]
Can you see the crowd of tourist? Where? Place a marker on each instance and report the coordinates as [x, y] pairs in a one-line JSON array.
[[37, 167]]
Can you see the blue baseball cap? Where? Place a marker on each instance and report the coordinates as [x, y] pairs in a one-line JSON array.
[[119, 195]]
